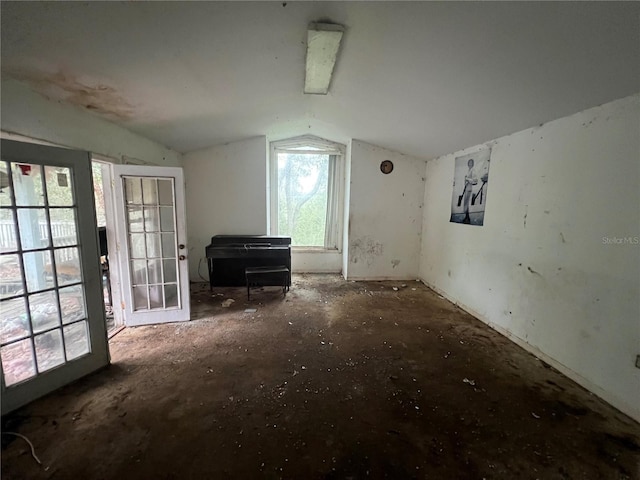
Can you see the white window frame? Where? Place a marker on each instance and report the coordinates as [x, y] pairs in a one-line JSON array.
[[335, 188]]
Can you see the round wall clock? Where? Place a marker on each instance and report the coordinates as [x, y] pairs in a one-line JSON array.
[[386, 167]]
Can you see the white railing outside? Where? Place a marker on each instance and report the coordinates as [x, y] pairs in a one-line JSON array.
[[64, 233]]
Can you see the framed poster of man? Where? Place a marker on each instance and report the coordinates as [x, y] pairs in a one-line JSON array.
[[470, 184]]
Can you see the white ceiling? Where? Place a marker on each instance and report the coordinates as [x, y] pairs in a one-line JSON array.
[[421, 78]]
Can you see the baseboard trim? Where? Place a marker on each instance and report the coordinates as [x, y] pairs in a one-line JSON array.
[[383, 278], [315, 270]]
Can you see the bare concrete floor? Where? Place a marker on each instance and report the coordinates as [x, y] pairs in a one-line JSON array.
[[337, 380]]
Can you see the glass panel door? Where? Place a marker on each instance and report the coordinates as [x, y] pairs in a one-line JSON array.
[[49, 318], [152, 229]]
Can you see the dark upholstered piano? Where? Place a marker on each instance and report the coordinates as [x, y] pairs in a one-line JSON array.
[[229, 255]]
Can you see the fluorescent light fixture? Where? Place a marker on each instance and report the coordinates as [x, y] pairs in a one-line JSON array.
[[323, 43]]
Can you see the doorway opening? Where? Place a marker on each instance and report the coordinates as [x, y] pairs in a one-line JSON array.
[[100, 176]]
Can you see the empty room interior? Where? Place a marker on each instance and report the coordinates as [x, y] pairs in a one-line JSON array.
[[320, 240]]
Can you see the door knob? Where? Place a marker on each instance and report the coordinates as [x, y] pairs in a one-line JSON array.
[[181, 257], [181, 246]]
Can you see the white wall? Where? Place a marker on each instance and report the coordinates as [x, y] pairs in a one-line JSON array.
[[308, 261], [226, 188], [30, 114], [539, 270], [385, 214]]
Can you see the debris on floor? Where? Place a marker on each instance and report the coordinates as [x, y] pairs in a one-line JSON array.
[[362, 386]]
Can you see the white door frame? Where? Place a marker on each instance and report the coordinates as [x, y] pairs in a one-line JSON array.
[[114, 265]]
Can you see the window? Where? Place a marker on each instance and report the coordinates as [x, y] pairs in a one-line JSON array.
[[306, 191]]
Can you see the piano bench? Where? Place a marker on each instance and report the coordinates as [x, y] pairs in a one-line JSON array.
[[262, 276]]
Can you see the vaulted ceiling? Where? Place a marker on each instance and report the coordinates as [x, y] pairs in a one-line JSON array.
[[421, 78]]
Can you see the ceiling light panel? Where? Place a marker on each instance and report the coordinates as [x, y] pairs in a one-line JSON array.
[[323, 43]]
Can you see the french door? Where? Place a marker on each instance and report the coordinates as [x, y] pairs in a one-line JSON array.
[[151, 244], [52, 324]]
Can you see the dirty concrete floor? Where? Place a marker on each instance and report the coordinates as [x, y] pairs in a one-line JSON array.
[[337, 380]]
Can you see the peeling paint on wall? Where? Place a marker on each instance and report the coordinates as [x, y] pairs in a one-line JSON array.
[[365, 250], [384, 240]]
